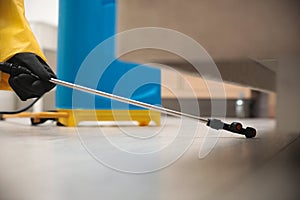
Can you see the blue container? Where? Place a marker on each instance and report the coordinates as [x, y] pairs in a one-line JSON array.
[[83, 25]]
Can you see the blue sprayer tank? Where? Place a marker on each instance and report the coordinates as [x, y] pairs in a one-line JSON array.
[[83, 25]]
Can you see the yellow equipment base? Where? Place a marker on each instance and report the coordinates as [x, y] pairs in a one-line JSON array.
[[143, 117], [72, 118]]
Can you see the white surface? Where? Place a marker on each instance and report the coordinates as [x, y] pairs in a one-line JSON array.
[[46, 34], [7, 100], [49, 162], [42, 11]]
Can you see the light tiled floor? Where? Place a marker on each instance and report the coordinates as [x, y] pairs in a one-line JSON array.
[[179, 160]]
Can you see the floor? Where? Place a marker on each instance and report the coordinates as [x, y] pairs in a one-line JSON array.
[[182, 159]]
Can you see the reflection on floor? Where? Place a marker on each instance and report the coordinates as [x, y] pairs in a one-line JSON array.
[[179, 160]]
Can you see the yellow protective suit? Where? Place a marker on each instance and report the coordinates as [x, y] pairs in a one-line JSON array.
[[15, 34]]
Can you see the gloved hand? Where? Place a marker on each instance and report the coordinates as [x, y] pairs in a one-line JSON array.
[[29, 85]]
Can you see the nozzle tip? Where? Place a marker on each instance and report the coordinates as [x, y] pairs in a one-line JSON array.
[[250, 132]]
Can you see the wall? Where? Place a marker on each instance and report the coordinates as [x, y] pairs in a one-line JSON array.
[[45, 11]]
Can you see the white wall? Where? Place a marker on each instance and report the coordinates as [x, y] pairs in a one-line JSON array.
[[288, 95], [45, 11]]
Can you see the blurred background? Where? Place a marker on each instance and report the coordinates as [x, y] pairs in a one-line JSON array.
[[255, 45], [250, 41]]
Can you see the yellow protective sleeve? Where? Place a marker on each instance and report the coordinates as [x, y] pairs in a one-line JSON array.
[[15, 34]]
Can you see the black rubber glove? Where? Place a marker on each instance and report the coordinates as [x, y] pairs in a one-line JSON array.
[[30, 85]]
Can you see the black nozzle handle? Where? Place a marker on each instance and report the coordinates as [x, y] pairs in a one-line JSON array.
[[10, 68], [234, 127], [5, 67]]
